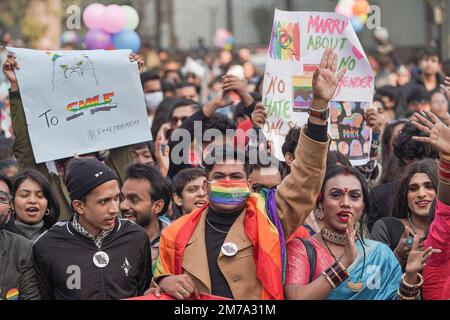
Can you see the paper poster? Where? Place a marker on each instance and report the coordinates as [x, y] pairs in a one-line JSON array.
[[297, 42], [79, 102], [348, 131]]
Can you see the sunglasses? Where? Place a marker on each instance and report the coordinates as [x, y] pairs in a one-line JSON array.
[[174, 120]]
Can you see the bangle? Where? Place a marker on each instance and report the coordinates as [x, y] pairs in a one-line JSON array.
[[329, 279], [415, 286], [406, 298]]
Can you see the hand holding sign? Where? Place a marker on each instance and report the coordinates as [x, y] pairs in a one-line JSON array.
[[9, 70], [325, 81]]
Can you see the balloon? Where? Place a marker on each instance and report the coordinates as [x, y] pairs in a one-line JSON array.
[[356, 24], [97, 39], [360, 7], [69, 37], [113, 19], [92, 16], [363, 18], [131, 17], [346, 11], [127, 39], [221, 37], [347, 3]]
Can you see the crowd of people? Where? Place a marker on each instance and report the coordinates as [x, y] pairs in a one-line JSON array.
[[135, 221]]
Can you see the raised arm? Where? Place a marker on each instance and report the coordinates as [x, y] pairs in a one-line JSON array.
[[297, 193]]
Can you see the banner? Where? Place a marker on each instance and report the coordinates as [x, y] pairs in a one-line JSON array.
[[297, 43], [79, 102]]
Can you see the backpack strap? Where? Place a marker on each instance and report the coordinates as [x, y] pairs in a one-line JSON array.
[[311, 252]]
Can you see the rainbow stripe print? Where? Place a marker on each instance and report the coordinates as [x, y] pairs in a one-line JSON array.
[[229, 192]]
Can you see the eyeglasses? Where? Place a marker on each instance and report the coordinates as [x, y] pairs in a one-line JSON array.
[[175, 120], [5, 197]]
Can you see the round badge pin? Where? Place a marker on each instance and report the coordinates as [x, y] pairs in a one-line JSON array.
[[229, 249], [12, 294], [101, 259]]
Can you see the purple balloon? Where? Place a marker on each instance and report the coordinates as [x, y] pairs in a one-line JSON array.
[[113, 19], [92, 15], [98, 39]]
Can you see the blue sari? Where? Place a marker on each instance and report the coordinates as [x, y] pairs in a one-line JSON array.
[[381, 277]]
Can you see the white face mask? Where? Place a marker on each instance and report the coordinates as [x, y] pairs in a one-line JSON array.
[[153, 99]]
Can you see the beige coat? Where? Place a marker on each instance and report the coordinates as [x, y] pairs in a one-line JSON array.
[[295, 198]]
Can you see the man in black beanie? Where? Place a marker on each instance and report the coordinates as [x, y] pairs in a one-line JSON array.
[[94, 255]]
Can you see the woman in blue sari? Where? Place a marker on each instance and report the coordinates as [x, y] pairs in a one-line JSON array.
[[339, 263]]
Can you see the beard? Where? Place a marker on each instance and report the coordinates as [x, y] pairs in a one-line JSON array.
[[144, 220]]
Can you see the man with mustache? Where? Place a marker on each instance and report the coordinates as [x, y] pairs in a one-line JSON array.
[[146, 198]]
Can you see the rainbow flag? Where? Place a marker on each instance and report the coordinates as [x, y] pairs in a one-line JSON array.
[[262, 226]]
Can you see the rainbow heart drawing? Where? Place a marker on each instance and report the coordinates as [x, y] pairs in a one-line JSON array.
[[12, 294]]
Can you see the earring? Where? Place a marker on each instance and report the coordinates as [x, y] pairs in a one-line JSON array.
[[47, 211], [318, 213]]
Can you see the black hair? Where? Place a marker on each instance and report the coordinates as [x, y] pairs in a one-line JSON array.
[[162, 114], [407, 149], [148, 76], [167, 86], [7, 180], [291, 141], [337, 158], [335, 170], [389, 161], [185, 84], [388, 91], [428, 52], [400, 207], [148, 144], [183, 177], [160, 187], [8, 162], [221, 154], [218, 121], [183, 103], [52, 205]]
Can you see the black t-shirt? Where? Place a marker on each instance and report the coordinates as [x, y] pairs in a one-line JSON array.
[[214, 241]]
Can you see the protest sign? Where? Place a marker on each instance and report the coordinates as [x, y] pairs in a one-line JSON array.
[[297, 43], [79, 102]]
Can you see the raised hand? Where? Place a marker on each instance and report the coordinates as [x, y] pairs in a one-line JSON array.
[[162, 159], [9, 70], [417, 259], [403, 247], [373, 119], [437, 133], [232, 83], [135, 57], [259, 115], [325, 81]]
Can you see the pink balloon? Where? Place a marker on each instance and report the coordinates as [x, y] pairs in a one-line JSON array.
[[92, 15], [346, 11], [114, 19]]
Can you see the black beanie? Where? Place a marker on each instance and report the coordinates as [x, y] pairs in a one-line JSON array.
[[84, 175]]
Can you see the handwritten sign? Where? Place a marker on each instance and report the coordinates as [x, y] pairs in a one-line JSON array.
[[79, 102], [297, 42]]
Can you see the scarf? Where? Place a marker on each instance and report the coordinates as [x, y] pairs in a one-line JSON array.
[[262, 226]]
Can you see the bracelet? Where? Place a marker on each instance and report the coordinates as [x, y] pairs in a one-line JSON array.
[[335, 274], [415, 286], [406, 298], [329, 279]]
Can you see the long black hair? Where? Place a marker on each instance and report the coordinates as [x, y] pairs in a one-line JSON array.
[[52, 205], [400, 207], [334, 170]]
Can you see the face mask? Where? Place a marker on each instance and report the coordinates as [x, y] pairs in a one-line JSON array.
[[226, 192], [153, 99]]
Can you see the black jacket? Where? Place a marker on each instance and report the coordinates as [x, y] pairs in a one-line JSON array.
[[16, 268], [64, 262]]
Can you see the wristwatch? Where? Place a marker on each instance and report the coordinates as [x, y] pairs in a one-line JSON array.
[[321, 114]]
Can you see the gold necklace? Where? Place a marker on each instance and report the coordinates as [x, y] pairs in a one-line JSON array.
[[333, 237]]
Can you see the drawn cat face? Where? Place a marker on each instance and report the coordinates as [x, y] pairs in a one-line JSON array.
[[72, 67]]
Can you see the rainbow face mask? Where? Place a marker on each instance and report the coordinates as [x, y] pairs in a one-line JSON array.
[[228, 192]]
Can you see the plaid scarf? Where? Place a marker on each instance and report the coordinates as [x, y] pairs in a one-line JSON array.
[[79, 228]]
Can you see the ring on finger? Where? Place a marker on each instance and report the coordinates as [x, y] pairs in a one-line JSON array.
[[183, 292]]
